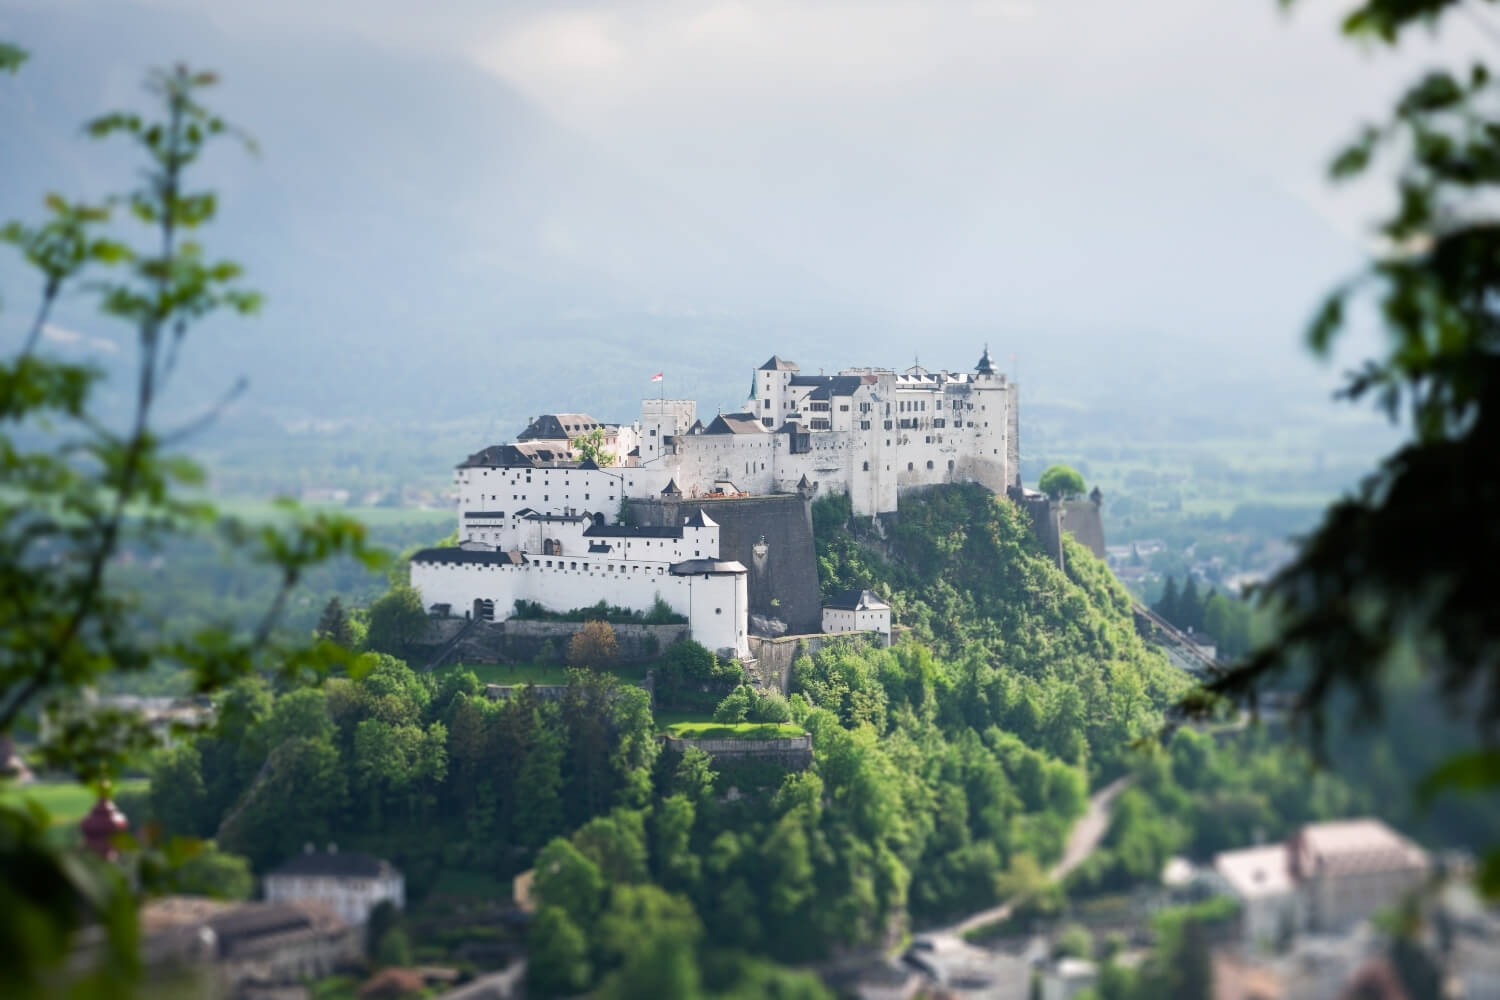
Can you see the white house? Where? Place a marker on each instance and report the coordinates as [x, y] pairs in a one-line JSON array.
[[858, 611], [352, 884], [1261, 879]]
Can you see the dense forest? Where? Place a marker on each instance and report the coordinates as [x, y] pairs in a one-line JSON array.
[[946, 771]]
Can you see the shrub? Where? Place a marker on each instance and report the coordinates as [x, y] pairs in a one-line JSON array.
[[594, 647]]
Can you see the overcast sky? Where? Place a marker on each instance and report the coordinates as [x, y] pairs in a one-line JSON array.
[[1030, 167]]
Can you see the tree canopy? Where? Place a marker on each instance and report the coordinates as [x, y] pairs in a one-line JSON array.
[[1059, 481]]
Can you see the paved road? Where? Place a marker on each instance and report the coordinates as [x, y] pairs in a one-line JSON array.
[[1083, 839], [495, 986]]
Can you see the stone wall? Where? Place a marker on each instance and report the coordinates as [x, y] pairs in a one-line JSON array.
[[772, 536], [1079, 518], [771, 665], [791, 752], [519, 641]]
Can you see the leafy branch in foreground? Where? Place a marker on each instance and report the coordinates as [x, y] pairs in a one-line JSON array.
[[1404, 566], [74, 491]]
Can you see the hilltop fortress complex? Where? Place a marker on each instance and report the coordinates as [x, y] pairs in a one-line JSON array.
[[711, 518]]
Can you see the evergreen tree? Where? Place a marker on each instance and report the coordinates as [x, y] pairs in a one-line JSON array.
[[1190, 607], [1169, 603], [334, 625]]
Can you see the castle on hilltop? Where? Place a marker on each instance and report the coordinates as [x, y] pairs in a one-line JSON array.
[[577, 510]]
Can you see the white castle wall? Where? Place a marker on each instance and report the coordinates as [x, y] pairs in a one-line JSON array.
[[714, 604]]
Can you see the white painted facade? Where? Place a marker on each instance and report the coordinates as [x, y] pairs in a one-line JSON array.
[[564, 561], [352, 891], [836, 620], [857, 611]]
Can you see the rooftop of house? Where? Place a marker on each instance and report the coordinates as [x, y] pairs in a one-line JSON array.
[[334, 863], [776, 364], [1354, 845], [856, 600], [1257, 871]]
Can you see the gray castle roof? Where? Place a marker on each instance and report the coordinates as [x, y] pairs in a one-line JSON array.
[[775, 364], [735, 423], [857, 600], [828, 386], [458, 555], [632, 531], [698, 519], [691, 567], [556, 426]]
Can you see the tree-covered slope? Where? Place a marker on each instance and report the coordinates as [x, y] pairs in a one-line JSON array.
[[1051, 656]]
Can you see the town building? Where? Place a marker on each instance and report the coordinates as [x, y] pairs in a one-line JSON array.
[[857, 611], [349, 883], [1324, 879], [194, 946], [537, 524]]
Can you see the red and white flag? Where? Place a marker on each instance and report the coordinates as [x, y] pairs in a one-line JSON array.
[[656, 377]]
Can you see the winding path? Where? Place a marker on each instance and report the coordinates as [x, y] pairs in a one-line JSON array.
[[1083, 840]]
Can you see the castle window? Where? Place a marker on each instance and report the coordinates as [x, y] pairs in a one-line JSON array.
[[718, 611], [929, 464], [549, 563], [611, 567], [867, 467], [575, 565], [950, 465], [910, 467]]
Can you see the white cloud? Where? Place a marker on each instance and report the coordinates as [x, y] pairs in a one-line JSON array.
[[72, 338]]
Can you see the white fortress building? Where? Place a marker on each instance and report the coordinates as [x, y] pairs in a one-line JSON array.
[[539, 519]]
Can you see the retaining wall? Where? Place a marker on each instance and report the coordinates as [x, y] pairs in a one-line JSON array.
[[519, 641], [791, 752]]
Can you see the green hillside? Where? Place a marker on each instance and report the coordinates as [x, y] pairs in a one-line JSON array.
[[1051, 656]]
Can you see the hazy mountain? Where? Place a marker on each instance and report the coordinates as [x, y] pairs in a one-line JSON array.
[[433, 245]]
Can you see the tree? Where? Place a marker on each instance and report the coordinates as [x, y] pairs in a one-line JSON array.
[[594, 647], [75, 486], [558, 955], [334, 625], [569, 881], [1406, 559], [396, 621], [1060, 481], [590, 448]]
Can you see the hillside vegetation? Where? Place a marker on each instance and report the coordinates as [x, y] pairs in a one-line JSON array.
[[1051, 656], [946, 771]]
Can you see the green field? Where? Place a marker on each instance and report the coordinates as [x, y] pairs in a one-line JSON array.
[[536, 673], [735, 730], [65, 801]]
